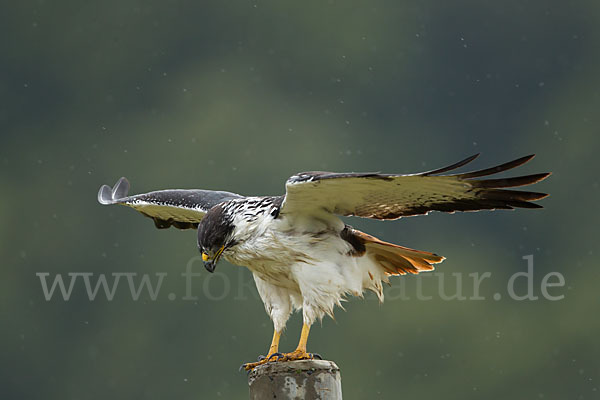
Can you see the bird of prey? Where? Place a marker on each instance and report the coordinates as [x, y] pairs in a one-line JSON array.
[[301, 254]]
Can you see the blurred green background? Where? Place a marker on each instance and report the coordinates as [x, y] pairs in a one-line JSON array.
[[239, 95]]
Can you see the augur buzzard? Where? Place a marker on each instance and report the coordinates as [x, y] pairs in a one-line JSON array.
[[301, 254]]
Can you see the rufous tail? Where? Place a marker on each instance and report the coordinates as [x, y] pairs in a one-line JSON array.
[[395, 259]]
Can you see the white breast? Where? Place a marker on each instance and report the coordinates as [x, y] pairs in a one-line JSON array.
[[305, 256], [270, 246]]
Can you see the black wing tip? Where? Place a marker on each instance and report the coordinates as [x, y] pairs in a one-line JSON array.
[[541, 177], [516, 181], [469, 159], [451, 167], [522, 160], [497, 169], [546, 174], [108, 195], [527, 204], [541, 196]]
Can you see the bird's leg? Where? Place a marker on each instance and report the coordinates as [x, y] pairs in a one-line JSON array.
[[270, 356], [300, 352], [303, 338], [274, 344]]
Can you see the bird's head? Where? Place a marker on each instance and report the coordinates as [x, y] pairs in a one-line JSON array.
[[214, 236]]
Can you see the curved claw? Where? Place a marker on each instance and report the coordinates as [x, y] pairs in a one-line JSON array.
[[278, 355]]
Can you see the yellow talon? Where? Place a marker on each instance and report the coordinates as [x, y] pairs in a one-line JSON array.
[[298, 354]]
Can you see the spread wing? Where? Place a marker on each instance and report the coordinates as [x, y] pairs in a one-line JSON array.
[[391, 196], [180, 208]]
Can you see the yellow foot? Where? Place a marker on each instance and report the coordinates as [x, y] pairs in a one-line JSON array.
[[261, 360], [282, 357], [298, 355]]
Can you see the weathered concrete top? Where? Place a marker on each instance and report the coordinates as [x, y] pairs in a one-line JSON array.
[[304, 379]]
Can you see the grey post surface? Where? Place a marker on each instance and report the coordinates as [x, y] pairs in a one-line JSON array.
[[292, 380]]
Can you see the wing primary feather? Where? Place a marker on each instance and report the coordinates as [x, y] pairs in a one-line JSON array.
[[496, 169], [108, 195], [450, 167], [121, 189], [524, 204], [497, 194], [105, 195], [510, 182]]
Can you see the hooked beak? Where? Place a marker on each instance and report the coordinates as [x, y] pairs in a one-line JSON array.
[[211, 264]]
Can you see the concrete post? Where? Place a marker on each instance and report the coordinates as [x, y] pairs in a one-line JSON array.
[[296, 380]]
